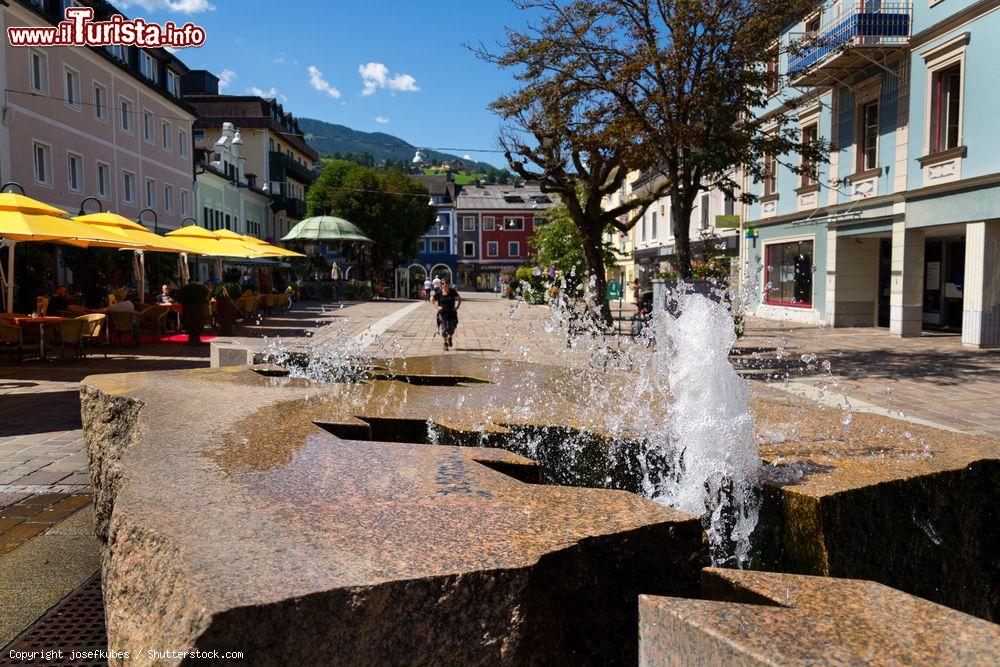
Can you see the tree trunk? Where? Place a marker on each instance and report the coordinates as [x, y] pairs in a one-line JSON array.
[[593, 252], [680, 211]]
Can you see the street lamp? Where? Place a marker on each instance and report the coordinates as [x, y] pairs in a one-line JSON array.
[[83, 210], [12, 183], [156, 219]]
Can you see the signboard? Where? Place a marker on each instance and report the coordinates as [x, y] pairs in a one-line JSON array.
[[750, 233], [613, 291], [727, 221]]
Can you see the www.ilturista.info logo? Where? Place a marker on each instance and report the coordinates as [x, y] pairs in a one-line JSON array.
[[80, 29]]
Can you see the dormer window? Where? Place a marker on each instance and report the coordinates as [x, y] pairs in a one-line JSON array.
[[173, 83], [148, 66]]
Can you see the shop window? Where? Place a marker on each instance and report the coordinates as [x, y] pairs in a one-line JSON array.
[[789, 274]]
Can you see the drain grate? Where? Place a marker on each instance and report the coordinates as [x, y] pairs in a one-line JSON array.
[[75, 627]]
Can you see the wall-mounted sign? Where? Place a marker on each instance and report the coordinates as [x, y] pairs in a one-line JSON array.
[[751, 233], [727, 221]]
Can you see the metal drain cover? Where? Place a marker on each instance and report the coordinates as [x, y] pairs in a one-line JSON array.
[[74, 627]]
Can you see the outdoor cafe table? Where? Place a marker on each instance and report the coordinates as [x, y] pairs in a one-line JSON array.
[[24, 322]]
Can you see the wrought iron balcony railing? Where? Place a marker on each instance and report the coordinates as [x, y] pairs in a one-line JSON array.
[[866, 24]]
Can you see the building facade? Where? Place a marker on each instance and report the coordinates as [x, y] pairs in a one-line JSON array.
[[902, 228], [277, 158], [107, 123], [436, 248], [494, 225]]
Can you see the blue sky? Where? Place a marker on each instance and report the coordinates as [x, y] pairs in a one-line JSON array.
[[423, 85]]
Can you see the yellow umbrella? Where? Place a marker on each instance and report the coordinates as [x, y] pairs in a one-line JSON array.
[[208, 243], [26, 219], [271, 249], [133, 232], [228, 235]]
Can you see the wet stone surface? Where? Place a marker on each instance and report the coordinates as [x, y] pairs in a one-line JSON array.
[[341, 517], [764, 618]]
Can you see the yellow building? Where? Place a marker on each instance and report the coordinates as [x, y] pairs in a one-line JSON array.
[[624, 243]]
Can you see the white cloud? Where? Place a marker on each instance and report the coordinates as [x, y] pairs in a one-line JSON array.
[[381, 120], [280, 59], [317, 81], [271, 94], [181, 6], [226, 77], [376, 75]]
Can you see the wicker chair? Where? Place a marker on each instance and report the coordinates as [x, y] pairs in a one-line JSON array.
[[154, 320], [12, 339], [69, 336], [92, 332], [125, 322]]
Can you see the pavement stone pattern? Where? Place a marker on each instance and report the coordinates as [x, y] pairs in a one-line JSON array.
[[34, 515]]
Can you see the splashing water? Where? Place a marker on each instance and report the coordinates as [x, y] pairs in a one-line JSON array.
[[715, 466]]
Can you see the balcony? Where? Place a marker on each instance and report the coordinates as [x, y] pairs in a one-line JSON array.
[[859, 36], [282, 167], [296, 208]]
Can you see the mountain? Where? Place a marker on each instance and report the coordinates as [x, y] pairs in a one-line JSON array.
[[330, 138]]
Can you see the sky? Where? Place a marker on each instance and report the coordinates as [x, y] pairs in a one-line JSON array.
[[397, 66]]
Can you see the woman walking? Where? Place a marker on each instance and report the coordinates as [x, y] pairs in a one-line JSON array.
[[447, 302]]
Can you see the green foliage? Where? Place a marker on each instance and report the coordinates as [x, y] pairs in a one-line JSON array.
[[192, 295], [533, 283], [558, 244], [389, 206]]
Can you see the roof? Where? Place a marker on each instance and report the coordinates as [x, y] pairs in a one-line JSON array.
[[507, 197], [439, 185], [249, 112]]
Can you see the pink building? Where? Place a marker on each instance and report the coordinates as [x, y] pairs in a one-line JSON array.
[[95, 122]]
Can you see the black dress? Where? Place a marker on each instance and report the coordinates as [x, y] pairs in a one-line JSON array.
[[448, 315]]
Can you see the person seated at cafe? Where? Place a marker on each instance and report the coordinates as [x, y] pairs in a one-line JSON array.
[[122, 306], [164, 295], [59, 299]]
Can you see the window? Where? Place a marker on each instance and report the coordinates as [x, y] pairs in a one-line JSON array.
[[810, 134], [513, 249], [182, 143], [147, 125], [103, 180], [116, 50], [492, 249], [38, 72], [730, 205], [770, 175], [228, 221], [488, 223], [946, 106], [468, 223], [199, 135], [185, 203], [173, 83], [773, 82], [270, 145], [512, 224], [789, 272], [168, 135], [43, 163], [148, 66], [100, 102], [125, 108], [150, 193], [868, 136], [74, 172], [652, 226], [206, 217], [421, 246], [168, 198], [706, 207], [437, 245], [469, 248], [128, 187], [71, 87]]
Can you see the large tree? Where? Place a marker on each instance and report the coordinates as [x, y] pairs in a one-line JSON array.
[[389, 206], [673, 88]]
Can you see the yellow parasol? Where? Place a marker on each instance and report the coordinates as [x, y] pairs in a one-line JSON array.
[[133, 232], [25, 219], [206, 242], [271, 249]]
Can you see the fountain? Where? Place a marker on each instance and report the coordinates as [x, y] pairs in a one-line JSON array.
[[375, 508]]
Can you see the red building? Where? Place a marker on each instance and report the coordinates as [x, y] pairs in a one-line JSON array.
[[494, 225]]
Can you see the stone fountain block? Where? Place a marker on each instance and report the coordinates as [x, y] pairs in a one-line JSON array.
[[764, 618], [230, 521], [910, 506]]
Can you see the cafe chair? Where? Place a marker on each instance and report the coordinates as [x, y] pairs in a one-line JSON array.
[[125, 323], [12, 340], [91, 333], [70, 337], [154, 320]]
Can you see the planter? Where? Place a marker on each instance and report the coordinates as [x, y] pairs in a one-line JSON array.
[[226, 314], [193, 321]]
